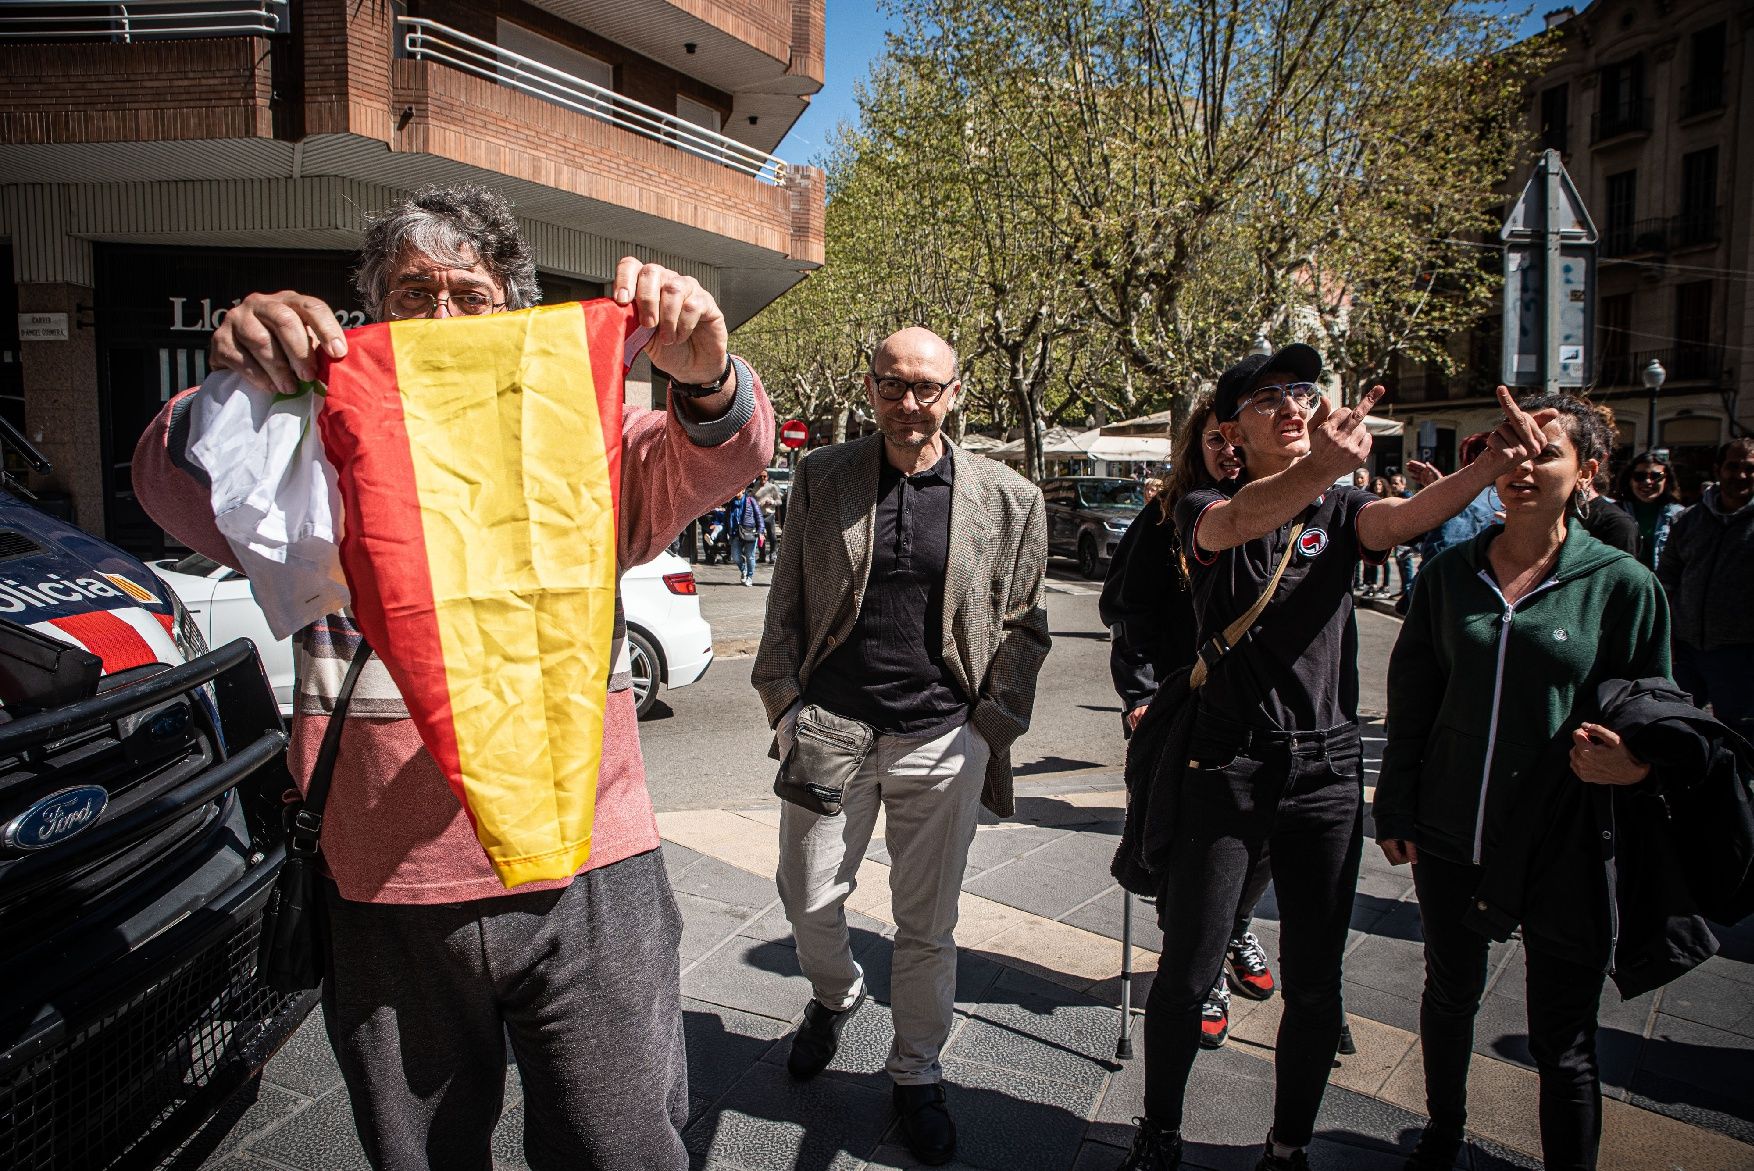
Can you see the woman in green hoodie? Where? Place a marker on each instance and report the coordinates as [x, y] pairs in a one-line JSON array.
[[1492, 730]]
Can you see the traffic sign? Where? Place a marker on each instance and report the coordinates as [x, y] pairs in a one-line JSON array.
[[1549, 282], [795, 433]]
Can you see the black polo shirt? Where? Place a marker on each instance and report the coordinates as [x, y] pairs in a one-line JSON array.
[[890, 672], [1299, 669]]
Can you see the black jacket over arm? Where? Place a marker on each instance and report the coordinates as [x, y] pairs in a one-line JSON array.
[[1147, 608]]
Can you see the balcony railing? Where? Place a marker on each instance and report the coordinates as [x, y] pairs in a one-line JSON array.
[[1639, 236], [1702, 95], [426, 40], [1620, 118], [140, 20], [1685, 362], [1691, 228]]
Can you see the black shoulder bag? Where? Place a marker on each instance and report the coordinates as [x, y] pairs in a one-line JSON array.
[[1157, 754], [293, 951]]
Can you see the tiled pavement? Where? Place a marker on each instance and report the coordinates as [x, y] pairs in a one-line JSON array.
[[1031, 1063]]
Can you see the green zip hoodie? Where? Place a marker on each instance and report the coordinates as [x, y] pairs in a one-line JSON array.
[[1484, 697]]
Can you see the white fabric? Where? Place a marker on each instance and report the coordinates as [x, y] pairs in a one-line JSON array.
[[275, 496]]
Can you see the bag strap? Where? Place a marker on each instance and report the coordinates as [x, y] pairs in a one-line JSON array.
[[1220, 643], [317, 792]]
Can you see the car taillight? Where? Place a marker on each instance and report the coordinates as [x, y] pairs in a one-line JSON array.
[[681, 583]]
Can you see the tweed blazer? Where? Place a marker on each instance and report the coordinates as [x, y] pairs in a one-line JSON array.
[[995, 630]]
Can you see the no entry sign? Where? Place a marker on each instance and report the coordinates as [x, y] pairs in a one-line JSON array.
[[795, 433]]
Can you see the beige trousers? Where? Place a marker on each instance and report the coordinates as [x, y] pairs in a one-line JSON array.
[[929, 789]]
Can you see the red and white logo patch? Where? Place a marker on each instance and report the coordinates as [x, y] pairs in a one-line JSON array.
[[1312, 543]]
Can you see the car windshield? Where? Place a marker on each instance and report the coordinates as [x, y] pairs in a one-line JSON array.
[[1112, 494], [195, 565], [779, 475]]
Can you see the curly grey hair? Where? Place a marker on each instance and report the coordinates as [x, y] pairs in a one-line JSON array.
[[456, 225]]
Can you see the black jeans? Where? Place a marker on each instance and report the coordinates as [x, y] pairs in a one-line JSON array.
[[1302, 796], [1562, 1000]]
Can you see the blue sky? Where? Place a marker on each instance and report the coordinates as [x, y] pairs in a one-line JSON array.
[[855, 36]]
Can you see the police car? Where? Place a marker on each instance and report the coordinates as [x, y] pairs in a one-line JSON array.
[[140, 780]]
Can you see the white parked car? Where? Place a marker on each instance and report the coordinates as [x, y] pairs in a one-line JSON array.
[[669, 643]]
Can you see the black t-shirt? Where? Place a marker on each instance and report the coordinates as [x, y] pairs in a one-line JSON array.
[[1298, 670]]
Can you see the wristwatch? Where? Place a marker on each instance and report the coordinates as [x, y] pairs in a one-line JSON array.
[[701, 389]]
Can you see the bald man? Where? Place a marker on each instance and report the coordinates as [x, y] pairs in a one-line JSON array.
[[904, 633]]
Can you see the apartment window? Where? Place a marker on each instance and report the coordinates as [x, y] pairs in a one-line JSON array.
[[702, 115], [1614, 341], [525, 42], [1555, 116], [1621, 91], [1621, 211], [1697, 223], [1704, 89], [1693, 356]]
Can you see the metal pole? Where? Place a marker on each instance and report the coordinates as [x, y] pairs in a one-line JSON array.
[[1550, 278], [1650, 422], [1124, 1046]]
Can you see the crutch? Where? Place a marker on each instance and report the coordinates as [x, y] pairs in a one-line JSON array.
[[1124, 1046]]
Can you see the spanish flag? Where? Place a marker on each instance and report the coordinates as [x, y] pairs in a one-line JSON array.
[[479, 465]]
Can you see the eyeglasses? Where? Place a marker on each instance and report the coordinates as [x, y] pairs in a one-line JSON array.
[[1268, 399], [1650, 477], [926, 392], [1215, 441], [403, 304]]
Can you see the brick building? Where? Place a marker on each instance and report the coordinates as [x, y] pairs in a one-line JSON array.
[[160, 159], [1651, 104]]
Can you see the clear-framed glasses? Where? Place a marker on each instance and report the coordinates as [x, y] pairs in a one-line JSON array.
[[1267, 400], [1215, 441], [926, 392], [403, 304]]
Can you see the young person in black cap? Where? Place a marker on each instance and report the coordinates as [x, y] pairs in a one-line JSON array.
[[1274, 758]]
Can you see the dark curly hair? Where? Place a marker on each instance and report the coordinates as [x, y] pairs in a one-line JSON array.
[[1188, 466], [1585, 423], [456, 225]]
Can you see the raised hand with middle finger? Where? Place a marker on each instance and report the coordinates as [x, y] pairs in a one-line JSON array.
[[1338, 439]]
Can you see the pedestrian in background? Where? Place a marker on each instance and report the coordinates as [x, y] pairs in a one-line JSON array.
[[433, 965], [1403, 553], [1708, 569], [1146, 605], [1493, 721], [1651, 495], [898, 665], [747, 523], [1274, 761], [772, 499]]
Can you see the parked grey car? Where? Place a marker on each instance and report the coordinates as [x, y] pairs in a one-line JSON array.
[[1086, 517]]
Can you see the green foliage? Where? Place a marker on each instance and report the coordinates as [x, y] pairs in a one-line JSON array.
[[1102, 202]]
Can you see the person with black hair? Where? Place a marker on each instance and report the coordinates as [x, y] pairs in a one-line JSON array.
[[1604, 520], [1495, 739], [1651, 495], [1274, 761]]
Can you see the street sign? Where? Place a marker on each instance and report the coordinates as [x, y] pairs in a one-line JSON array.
[[1549, 282], [795, 433]]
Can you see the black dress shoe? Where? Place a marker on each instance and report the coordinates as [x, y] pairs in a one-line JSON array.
[[926, 1123], [817, 1039]]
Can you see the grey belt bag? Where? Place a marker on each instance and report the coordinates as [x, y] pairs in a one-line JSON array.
[[826, 754]]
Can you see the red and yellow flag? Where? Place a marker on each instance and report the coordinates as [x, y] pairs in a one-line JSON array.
[[479, 461]]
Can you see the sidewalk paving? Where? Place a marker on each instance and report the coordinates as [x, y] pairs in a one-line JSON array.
[[1031, 1067]]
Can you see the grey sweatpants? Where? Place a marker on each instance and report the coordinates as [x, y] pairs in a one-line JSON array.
[[585, 981]]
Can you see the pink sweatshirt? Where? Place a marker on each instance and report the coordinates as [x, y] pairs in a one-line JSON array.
[[393, 831]]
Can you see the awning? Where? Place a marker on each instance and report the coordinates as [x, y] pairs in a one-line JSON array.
[[1057, 443], [1123, 448]]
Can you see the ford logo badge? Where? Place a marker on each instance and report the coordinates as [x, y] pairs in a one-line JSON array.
[[55, 818]]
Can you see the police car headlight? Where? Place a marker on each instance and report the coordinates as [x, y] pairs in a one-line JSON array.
[[188, 637]]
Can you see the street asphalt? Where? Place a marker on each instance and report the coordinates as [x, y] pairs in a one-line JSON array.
[[1031, 1064]]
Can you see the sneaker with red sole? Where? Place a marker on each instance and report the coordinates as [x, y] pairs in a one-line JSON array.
[[1215, 1016], [1246, 961]]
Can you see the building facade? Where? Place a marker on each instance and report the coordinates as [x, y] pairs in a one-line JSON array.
[[1651, 105], [159, 160]]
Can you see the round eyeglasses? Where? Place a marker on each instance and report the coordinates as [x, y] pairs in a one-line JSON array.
[[1267, 400], [404, 304], [1215, 441], [926, 392]]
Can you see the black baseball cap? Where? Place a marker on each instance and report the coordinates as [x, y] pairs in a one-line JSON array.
[[1235, 383]]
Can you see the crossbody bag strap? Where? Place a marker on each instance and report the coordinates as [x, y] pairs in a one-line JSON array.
[[1219, 644], [317, 792]]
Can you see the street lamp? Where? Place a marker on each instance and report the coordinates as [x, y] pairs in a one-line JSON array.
[[1653, 376]]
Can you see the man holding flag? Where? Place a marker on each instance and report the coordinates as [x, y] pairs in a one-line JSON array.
[[434, 962]]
